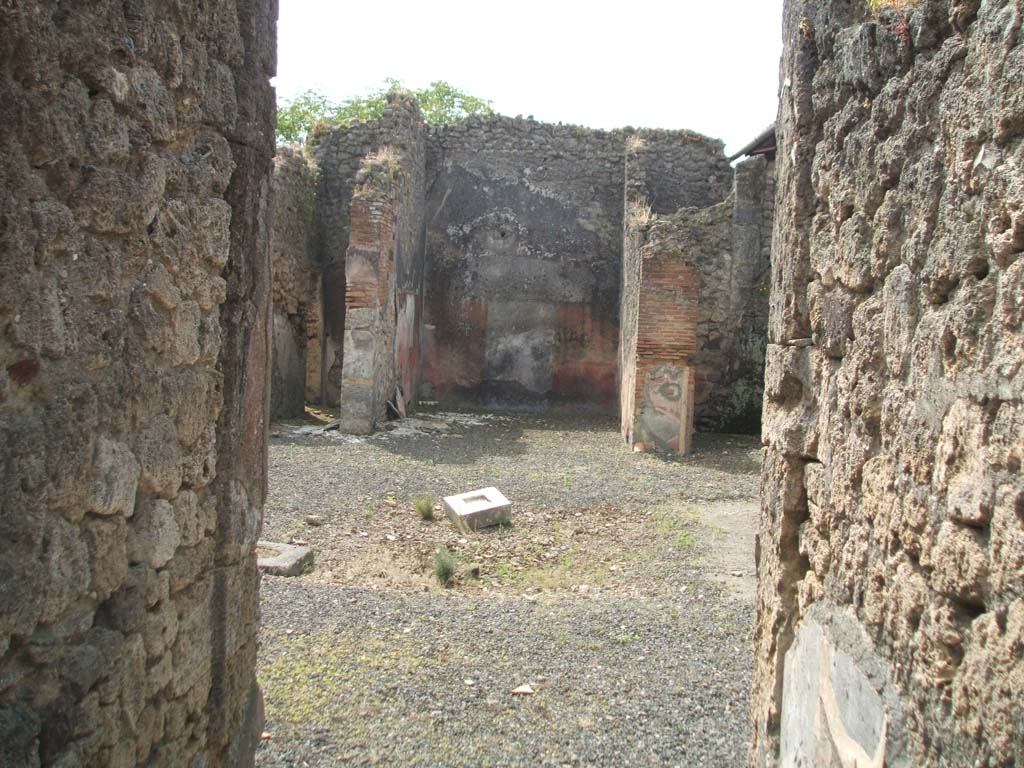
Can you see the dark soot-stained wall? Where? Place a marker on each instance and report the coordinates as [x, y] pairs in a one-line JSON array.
[[524, 251]]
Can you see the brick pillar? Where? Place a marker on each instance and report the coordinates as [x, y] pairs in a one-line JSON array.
[[666, 338], [368, 371]]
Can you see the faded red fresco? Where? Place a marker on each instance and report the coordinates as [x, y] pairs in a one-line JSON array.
[[585, 357], [582, 349]]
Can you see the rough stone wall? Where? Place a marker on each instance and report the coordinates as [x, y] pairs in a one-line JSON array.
[[339, 153], [726, 247], [384, 277], [753, 222], [670, 170], [405, 350], [523, 262], [731, 244], [313, 317], [891, 552], [295, 287], [524, 249], [135, 150]]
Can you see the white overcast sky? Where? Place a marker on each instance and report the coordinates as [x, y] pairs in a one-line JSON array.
[[708, 65]]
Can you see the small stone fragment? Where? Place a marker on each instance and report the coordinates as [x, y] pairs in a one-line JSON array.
[[523, 690], [283, 559], [314, 520]]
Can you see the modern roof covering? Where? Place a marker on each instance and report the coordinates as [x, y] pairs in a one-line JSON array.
[[764, 144]]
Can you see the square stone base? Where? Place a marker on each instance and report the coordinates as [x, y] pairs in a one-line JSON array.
[[478, 509]]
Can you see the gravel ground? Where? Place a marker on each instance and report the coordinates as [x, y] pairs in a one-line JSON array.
[[606, 595]]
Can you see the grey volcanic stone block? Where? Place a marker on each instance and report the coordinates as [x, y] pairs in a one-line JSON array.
[[288, 560], [478, 509]]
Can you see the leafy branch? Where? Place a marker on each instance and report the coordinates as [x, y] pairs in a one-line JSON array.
[[440, 103]]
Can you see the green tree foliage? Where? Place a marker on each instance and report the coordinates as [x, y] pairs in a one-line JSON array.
[[439, 103]]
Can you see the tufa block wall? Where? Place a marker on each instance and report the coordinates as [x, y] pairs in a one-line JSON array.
[[295, 287], [135, 151], [891, 553]]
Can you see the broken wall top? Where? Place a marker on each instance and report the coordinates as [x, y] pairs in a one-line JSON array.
[[339, 153]]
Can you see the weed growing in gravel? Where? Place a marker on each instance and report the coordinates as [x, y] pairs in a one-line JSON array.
[[665, 521], [444, 565], [368, 514], [424, 507], [669, 520], [560, 639], [684, 540], [504, 570]]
